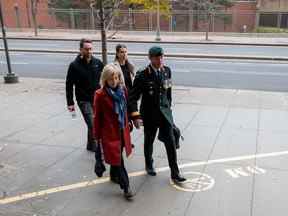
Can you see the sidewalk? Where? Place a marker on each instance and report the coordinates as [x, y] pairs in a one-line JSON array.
[[171, 37], [234, 155]]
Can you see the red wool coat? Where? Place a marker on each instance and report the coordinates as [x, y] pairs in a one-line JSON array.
[[106, 128]]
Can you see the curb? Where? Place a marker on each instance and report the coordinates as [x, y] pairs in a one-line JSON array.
[[156, 42], [175, 55]]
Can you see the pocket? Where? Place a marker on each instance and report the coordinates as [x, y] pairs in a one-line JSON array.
[[150, 88], [85, 107]]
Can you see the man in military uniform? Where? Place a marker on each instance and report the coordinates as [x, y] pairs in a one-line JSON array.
[[154, 85]]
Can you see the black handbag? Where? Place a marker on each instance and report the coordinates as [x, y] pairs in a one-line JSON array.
[[177, 135], [99, 168]]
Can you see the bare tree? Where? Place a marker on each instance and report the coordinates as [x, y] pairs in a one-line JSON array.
[[208, 8], [28, 13], [34, 11], [105, 10]]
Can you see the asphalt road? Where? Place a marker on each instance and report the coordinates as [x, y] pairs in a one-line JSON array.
[[169, 48], [231, 74]]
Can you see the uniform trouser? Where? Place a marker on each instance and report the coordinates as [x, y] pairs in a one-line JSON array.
[[166, 130], [86, 108]]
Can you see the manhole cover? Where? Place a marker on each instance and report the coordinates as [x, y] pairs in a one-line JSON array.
[[196, 182]]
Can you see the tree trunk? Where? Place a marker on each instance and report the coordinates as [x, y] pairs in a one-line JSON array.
[[34, 16], [35, 24], [103, 33], [28, 14], [207, 27]]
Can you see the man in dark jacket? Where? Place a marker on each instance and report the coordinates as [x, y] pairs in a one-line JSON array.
[[153, 84], [84, 74]]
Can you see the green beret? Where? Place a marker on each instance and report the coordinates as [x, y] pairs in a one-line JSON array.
[[156, 51]]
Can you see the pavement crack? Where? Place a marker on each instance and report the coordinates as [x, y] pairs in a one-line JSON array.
[[210, 154], [255, 162]]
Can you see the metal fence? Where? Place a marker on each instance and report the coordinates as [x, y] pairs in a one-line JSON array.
[[136, 20]]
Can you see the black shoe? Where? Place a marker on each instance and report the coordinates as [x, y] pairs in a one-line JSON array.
[[151, 171], [114, 179], [128, 194], [90, 148], [178, 179]]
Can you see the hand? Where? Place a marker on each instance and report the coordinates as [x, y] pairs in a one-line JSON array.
[[138, 123], [71, 108]]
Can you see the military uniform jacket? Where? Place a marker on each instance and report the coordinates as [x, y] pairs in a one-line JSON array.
[[155, 90]]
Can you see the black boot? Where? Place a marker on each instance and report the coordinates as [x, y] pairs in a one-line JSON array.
[[151, 171], [178, 179], [128, 194]]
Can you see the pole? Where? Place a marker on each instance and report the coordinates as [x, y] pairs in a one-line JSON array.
[[18, 22], [158, 37], [72, 19], [92, 16], [10, 77]]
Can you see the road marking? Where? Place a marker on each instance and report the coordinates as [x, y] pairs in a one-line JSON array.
[[256, 170], [196, 182], [134, 174], [228, 71], [245, 171], [237, 172], [14, 63]]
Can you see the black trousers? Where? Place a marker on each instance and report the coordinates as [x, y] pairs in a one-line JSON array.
[[166, 130], [120, 171], [122, 175], [86, 109]]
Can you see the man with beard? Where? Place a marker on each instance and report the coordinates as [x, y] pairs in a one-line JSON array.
[[84, 75]]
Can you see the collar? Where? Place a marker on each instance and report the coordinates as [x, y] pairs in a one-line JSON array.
[[155, 69], [81, 59]]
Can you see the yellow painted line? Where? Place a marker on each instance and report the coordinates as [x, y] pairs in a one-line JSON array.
[[134, 174], [53, 190]]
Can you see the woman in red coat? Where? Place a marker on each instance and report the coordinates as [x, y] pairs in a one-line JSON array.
[[111, 128]]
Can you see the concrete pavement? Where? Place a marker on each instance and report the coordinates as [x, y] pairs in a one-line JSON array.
[[142, 48], [167, 37], [234, 154]]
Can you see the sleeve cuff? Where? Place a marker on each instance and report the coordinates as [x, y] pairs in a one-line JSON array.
[[135, 115]]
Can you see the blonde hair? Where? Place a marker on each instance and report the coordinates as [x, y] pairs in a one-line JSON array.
[[108, 71]]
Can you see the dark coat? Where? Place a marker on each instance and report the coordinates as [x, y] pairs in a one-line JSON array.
[[85, 78], [156, 96]]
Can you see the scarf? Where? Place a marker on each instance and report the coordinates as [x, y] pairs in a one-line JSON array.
[[120, 106]]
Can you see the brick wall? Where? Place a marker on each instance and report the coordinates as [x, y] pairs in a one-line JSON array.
[[273, 5], [25, 17]]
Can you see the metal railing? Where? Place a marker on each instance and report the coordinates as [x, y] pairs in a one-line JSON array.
[[139, 20]]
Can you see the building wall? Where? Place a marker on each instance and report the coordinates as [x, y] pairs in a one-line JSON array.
[[241, 14], [244, 13], [273, 13], [24, 11], [273, 5], [232, 19]]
